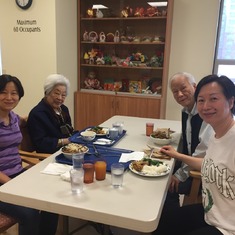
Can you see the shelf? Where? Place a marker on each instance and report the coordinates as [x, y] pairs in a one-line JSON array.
[[124, 43], [112, 45], [126, 94], [124, 18], [121, 67]]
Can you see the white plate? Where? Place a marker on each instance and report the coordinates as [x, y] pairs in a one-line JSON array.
[[150, 175], [105, 129]]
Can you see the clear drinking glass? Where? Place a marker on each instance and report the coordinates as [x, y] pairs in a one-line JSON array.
[[117, 172], [76, 179]]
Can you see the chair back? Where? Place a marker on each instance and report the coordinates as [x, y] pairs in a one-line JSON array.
[[6, 222], [27, 150], [26, 144]]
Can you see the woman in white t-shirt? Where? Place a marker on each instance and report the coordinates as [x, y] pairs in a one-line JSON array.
[[215, 97]]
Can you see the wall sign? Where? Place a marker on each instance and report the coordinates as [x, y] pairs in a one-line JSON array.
[[26, 26]]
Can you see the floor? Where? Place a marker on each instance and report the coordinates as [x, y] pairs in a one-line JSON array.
[[87, 230]]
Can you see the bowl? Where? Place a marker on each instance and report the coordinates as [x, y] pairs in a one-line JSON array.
[[72, 149], [160, 141], [88, 135]]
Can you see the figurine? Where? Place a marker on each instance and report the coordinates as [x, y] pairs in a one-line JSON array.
[[110, 37], [92, 54], [90, 13], [91, 82], [152, 11], [99, 14], [85, 36], [116, 36], [139, 12], [100, 61], [127, 12], [86, 58], [102, 37], [93, 37]]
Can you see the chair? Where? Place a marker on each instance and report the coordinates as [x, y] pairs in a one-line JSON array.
[[30, 157], [27, 152], [6, 222], [195, 195]]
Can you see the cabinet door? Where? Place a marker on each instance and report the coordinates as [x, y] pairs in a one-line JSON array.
[[137, 106], [92, 109]]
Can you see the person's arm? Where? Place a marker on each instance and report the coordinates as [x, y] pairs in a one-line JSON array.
[[206, 131], [4, 178], [43, 132], [193, 162]]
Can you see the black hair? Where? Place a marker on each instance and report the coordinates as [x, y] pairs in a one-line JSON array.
[[6, 78], [228, 87]]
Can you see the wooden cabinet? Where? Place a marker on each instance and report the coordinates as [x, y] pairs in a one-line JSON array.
[[123, 57], [92, 109]]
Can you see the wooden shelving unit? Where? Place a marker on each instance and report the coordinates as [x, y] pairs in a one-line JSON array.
[[136, 35]]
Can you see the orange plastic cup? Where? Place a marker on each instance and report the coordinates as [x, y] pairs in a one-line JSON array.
[[149, 128], [89, 170], [100, 170]]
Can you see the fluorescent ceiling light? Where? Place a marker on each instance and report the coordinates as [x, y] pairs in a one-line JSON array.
[[99, 6], [158, 4]]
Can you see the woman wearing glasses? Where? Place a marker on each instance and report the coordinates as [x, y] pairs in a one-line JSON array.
[[49, 122]]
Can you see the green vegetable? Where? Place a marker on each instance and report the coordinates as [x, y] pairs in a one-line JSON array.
[[153, 162]]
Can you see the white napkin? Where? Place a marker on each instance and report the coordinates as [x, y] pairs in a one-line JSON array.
[[65, 176], [56, 169], [126, 157]]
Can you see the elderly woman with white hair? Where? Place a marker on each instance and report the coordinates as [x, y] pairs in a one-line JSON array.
[[49, 122]]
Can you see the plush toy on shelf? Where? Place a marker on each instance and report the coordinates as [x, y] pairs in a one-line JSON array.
[[91, 82]]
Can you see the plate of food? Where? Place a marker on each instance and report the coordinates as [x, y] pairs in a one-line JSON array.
[[100, 131], [163, 136], [149, 168]]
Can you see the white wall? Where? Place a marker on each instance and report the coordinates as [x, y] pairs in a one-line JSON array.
[[192, 43], [66, 35], [33, 56]]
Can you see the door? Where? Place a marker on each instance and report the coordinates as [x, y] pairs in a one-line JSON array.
[[92, 109], [137, 106]]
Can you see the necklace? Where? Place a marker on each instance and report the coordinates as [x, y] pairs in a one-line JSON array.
[[59, 113]]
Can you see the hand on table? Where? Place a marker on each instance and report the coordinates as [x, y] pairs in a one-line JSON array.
[[169, 150]]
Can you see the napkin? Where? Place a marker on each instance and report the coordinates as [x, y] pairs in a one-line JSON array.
[[56, 169], [65, 176], [103, 141], [126, 157]]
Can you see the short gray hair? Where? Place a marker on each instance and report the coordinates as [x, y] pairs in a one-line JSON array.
[[188, 76], [54, 80]]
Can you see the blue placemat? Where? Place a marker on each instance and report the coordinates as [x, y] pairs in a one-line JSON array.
[[76, 138], [110, 155]]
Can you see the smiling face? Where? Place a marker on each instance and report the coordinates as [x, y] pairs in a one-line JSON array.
[[57, 96], [183, 92], [212, 105], [9, 97]]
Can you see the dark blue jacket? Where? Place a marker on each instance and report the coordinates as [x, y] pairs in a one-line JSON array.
[[196, 123], [44, 127]]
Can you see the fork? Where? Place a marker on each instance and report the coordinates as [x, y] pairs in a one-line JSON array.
[[151, 153], [97, 154]]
